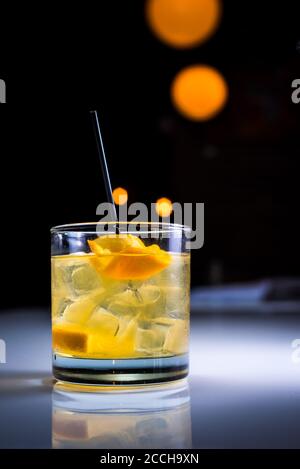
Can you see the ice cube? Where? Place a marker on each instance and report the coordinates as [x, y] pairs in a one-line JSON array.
[[60, 280], [164, 321], [81, 309], [75, 275], [120, 345], [134, 301], [174, 297], [59, 305], [144, 323], [178, 314], [172, 274], [84, 279], [177, 337], [173, 302], [103, 322], [151, 339], [150, 294], [173, 282], [169, 300]]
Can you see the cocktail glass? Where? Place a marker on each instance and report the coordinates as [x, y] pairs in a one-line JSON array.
[[120, 303]]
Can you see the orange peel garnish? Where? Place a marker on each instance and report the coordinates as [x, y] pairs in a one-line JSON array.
[[125, 257], [69, 339]]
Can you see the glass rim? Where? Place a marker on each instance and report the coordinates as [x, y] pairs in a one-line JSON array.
[[161, 227]]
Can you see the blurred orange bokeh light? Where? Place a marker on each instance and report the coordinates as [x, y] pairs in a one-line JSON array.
[[183, 23], [120, 196], [199, 92], [163, 207]]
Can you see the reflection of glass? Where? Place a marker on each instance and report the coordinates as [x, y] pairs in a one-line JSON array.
[[154, 418], [120, 304]]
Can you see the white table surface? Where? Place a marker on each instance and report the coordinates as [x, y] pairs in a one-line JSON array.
[[244, 388]]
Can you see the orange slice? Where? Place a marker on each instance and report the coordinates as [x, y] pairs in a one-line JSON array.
[[68, 339], [108, 244], [125, 257]]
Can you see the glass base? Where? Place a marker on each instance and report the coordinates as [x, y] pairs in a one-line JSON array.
[[120, 372]]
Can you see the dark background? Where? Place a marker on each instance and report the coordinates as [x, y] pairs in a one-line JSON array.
[[244, 164]]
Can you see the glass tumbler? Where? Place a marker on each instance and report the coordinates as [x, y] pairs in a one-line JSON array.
[[120, 303]]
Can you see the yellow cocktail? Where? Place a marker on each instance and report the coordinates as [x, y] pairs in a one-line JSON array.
[[122, 300]]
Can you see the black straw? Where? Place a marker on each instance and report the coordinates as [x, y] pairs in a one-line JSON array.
[[103, 162]]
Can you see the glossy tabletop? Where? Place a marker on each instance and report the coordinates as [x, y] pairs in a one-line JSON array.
[[243, 391]]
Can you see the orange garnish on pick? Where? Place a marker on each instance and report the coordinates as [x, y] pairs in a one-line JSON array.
[[125, 257]]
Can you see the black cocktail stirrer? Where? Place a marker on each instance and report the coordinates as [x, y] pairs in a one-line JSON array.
[[104, 167], [107, 182]]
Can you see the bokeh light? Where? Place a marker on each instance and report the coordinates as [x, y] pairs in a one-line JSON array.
[[120, 196], [199, 92], [163, 207], [183, 23]]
